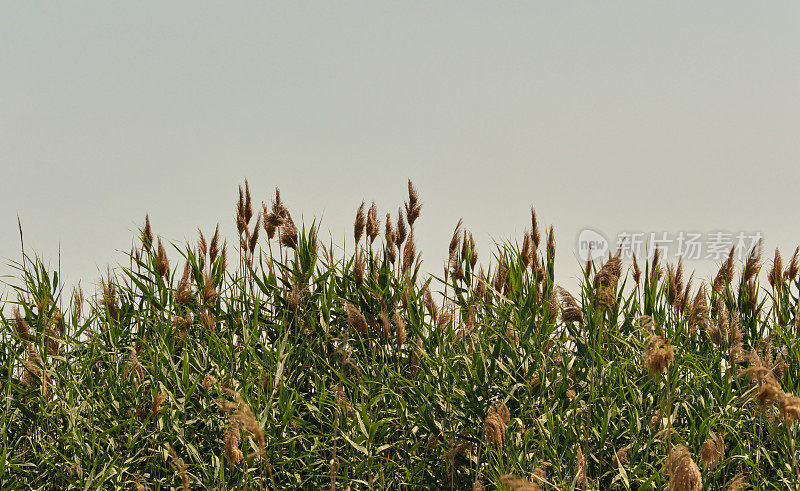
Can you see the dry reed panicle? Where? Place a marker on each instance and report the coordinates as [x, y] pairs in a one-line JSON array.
[[248, 204], [33, 368], [409, 254], [155, 406], [372, 227], [794, 266], [511, 482], [208, 320], [180, 467], [535, 235], [208, 382], [775, 276], [430, 304], [713, 451], [657, 355], [789, 407], [637, 273], [655, 266], [21, 326], [289, 233], [147, 233], [551, 242], [389, 236], [674, 283], [359, 267], [254, 237], [724, 275], [183, 293], [683, 303], [526, 254], [133, 366], [738, 483], [231, 441], [458, 452], [213, 248], [581, 470], [413, 205], [683, 473], [109, 300], [210, 293], [735, 337], [452, 248], [162, 263], [355, 319], [202, 246], [621, 456], [769, 388], [753, 263], [609, 273], [240, 417], [494, 426], [402, 232], [699, 314], [400, 330], [570, 309]]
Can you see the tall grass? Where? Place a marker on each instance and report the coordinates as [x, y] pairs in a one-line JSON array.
[[282, 366]]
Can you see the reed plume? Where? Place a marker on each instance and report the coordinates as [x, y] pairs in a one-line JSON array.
[[775, 276], [516, 483], [147, 233], [570, 309], [657, 355], [713, 451], [683, 473], [413, 205], [372, 226]]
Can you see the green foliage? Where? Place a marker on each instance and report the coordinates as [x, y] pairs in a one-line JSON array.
[[363, 372]]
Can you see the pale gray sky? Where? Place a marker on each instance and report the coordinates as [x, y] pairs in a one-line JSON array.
[[648, 116]]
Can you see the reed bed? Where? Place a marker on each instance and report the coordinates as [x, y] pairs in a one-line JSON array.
[[275, 364]]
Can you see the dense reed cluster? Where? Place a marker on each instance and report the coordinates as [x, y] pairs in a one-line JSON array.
[[291, 363]]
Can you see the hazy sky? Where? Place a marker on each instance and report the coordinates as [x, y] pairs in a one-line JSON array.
[[621, 116]]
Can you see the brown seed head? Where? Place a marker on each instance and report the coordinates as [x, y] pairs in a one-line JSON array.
[[713, 451], [147, 233], [657, 356], [683, 473], [401, 228], [213, 249], [581, 470], [775, 276], [289, 233], [409, 254], [570, 309], [372, 226], [515, 483], [360, 223], [254, 238], [413, 205], [355, 319], [155, 406], [20, 325], [535, 236], [162, 263], [753, 263], [359, 266], [453, 247], [794, 266]]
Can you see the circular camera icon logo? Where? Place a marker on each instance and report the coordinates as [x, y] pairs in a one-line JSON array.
[[591, 245]]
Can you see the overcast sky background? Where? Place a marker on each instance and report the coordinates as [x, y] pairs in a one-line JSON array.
[[637, 116]]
